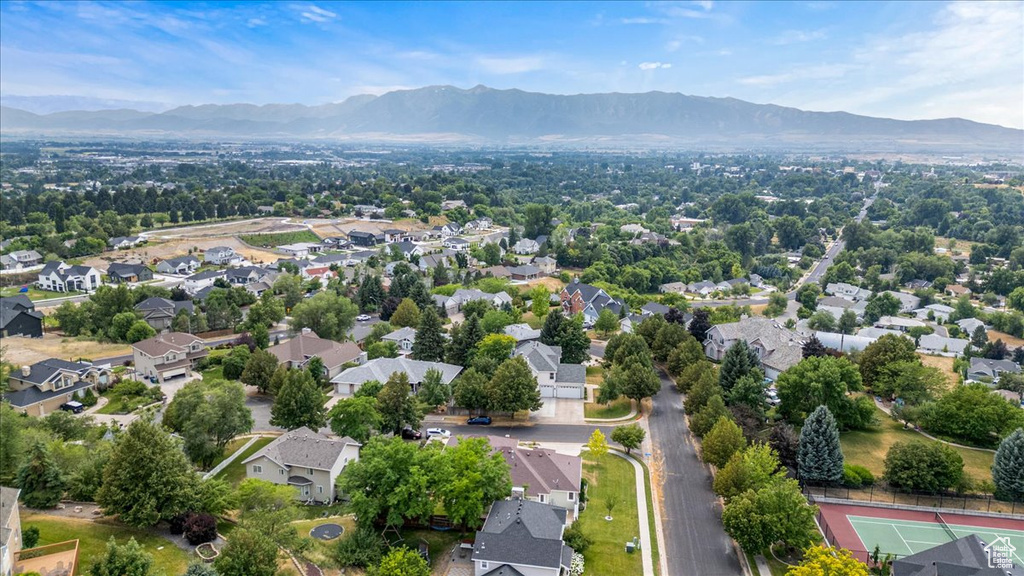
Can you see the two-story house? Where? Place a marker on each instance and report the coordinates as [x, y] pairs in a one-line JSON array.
[[222, 256], [201, 280], [580, 298], [297, 352], [18, 317], [523, 538], [119, 272], [361, 238], [60, 277], [10, 529], [21, 259], [777, 348], [160, 312], [125, 242], [169, 355], [245, 275], [526, 246], [456, 244], [302, 458], [42, 387], [546, 264], [181, 265], [555, 379]]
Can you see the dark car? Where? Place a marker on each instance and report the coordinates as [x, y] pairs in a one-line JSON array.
[[410, 434], [481, 420], [73, 407]]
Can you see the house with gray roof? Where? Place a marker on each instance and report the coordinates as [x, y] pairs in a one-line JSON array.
[[969, 325], [380, 369], [307, 460], [245, 275], [967, 556], [521, 332], [941, 345], [457, 244], [452, 304], [940, 312], [42, 387], [201, 280], [404, 338], [125, 242], [988, 371], [555, 379], [524, 272], [160, 312], [60, 277], [526, 246], [181, 265], [120, 272], [908, 302], [18, 317], [222, 256], [19, 259], [847, 291], [777, 348], [546, 264], [522, 537]]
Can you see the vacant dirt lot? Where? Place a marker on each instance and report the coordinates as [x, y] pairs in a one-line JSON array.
[[552, 284], [945, 365], [325, 228], [1010, 341], [21, 351]]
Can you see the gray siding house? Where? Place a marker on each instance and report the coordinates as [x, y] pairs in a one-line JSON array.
[[309, 461]]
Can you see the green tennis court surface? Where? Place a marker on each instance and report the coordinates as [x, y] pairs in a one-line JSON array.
[[906, 537]]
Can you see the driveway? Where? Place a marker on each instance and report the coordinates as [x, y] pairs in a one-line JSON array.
[[559, 411]]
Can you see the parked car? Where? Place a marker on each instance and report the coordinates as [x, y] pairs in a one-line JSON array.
[[438, 432], [481, 420], [73, 407], [362, 317], [410, 434]]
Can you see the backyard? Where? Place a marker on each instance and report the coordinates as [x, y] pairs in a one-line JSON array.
[[235, 472], [93, 535], [610, 477], [34, 293], [129, 396]]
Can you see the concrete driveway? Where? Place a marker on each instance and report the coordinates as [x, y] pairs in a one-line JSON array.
[[559, 411]]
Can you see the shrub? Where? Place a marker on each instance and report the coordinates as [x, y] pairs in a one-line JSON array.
[[130, 388], [583, 491], [865, 475], [177, 524], [575, 538], [361, 548], [850, 478], [88, 398], [200, 528]]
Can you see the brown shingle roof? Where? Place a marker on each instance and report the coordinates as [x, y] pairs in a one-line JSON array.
[[163, 343], [306, 345]]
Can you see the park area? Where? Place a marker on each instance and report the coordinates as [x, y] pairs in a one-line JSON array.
[[610, 478]]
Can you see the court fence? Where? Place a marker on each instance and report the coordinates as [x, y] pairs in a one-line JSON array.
[[869, 557], [881, 495]]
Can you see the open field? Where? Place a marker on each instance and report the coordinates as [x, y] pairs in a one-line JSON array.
[[326, 228], [92, 540], [34, 293], [960, 247], [280, 238], [610, 477], [551, 283], [944, 364], [23, 351], [1011, 341]]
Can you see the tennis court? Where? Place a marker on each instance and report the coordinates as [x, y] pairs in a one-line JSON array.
[[905, 537]]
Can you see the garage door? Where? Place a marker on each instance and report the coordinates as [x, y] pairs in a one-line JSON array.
[[547, 391], [573, 392], [174, 373]]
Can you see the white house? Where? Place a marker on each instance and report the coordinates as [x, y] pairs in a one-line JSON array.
[[300, 249], [179, 265], [60, 277], [222, 256], [204, 279], [457, 244], [555, 379], [526, 246], [404, 338]]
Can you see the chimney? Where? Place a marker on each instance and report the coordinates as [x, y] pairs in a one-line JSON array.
[[26, 370], [307, 330]]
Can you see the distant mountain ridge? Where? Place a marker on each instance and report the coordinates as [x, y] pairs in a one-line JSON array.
[[486, 115]]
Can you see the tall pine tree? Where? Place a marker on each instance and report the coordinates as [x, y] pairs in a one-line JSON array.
[[552, 328], [740, 360], [820, 457], [573, 340], [1008, 468], [429, 343], [299, 402], [464, 342], [40, 479]]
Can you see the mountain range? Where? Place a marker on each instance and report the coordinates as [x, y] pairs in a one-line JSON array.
[[483, 115]]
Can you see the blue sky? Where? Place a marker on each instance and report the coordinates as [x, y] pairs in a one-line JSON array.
[[902, 60]]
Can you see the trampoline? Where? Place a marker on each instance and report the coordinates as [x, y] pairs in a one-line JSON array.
[[327, 531]]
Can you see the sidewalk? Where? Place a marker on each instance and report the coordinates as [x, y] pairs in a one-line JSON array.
[[641, 507], [225, 462]]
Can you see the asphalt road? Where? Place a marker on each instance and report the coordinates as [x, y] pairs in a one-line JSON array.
[[695, 542], [569, 433]]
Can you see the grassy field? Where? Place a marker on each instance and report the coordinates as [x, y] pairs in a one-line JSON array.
[[595, 374], [777, 568], [235, 472], [534, 322], [273, 240], [869, 447], [23, 351], [93, 536], [610, 476], [230, 449], [1011, 341], [617, 409], [34, 293]]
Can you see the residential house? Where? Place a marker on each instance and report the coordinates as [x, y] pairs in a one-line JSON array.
[[908, 302], [298, 351], [844, 342], [244, 275], [288, 262], [448, 230], [307, 460], [969, 325], [457, 244], [673, 288], [41, 388], [119, 272], [222, 256], [555, 379], [18, 317], [125, 242], [580, 298], [966, 556], [201, 280], [300, 249], [10, 529], [956, 290], [898, 324], [430, 261], [835, 306], [479, 225], [404, 338], [496, 271], [682, 224], [160, 312], [777, 348], [181, 265], [380, 369], [756, 281], [394, 235], [360, 238], [169, 355], [630, 322], [847, 291], [454, 303], [546, 264], [876, 333], [522, 332], [522, 538], [452, 204], [264, 209], [258, 288], [60, 277], [941, 345], [705, 288], [21, 259], [323, 273], [918, 284], [407, 249], [368, 211], [653, 308], [986, 370], [526, 246], [940, 312], [524, 272]]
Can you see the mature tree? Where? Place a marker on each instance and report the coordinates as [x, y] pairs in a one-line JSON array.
[[820, 560], [820, 458], [823, 381], [649, 328], [823, 321], [200, 569], [289, 285], [749, 391], [634, 379], [879, 305], [470, 390], [777, 513], [259, 370], [912, 381], [382, 350], [1008, 468], [355, 417], [40, 479], [464, 342], [552, 328], [597, 445], [249, 552], [630, 436], [495, 348], [807, 296], [777, 303], [371, 294], [407, 314], [495, 321], [390, 481], [607, 322], [700, 324], [434, 391], [268, 508], [723, 440], [318, 372], [541, 300], [234, 363], [120, 324], [627, 347], [702, 422], [128, 559], [147, 478], [327, 314], [514, 387], [847, 322], [669, 337], [430, 342], [923, 467], [208, 415], [139, 331], [686, 354], [740, 360], [473, 476], [266, 312], [401, 562], [398, 408], [701, 392], [973, 414], [813, 347], [784, 440], [574, 342], [886, 350], [752, 468], [299, 402], [702, 370]]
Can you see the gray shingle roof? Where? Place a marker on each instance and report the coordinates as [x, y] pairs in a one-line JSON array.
[[304, 448], [571, 374], [962, 557], [16, 301], [43, 370], [991, 367], [540, 357], [380, 369], [122, 269], [401, 334], [522, 532], [33, 395], [8, 315], [207, 274], [785, 348], [304, 346]]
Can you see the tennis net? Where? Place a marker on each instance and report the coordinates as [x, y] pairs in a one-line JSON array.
[[942, 522]]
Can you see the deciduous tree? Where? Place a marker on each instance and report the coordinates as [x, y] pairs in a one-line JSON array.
[[128, 559], [820, 560], [259, 369], [923, 467], [398, 407], [355, 417], [630, 436], [514, 387], [299, 402], [723, 440]]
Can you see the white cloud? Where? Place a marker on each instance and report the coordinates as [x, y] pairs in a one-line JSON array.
[[644, 20], [654, 65], [798, 36], [510, 65], [314, 13], [255, 22]]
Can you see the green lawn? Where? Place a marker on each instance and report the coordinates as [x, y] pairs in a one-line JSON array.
[[777, 568], [272, 240], [318, 551], [230, 449], [92, 540], [124, 404], [534, 322], [610, 476], [650, 518], [869, 447], [437, 541], [615, 409], [34, 293], [235, 472]]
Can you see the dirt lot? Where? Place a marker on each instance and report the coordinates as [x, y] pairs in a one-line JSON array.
[[943, 364], [21, 351], [325, 228], [1010, 341], [552, 284]]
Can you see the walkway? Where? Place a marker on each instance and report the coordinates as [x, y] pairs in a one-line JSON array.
[[642, 511], [224, 463], [888, 410]]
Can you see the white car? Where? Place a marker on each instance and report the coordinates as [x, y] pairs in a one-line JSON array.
[[362, 317], [438, 432]]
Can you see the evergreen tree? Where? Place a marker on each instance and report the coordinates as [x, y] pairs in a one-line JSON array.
[[820, 458], [552, 329], [979, 337], [371, 294], [574, 342], [749, 391], [40, 479], [299, 402], [1008, 468], [740, 360], [465, 341], [429, 343], [700, 324]]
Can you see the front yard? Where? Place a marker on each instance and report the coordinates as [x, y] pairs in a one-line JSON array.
[[92, 539], [610, 477], [129, 396], [34, 293], [615, 409]]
